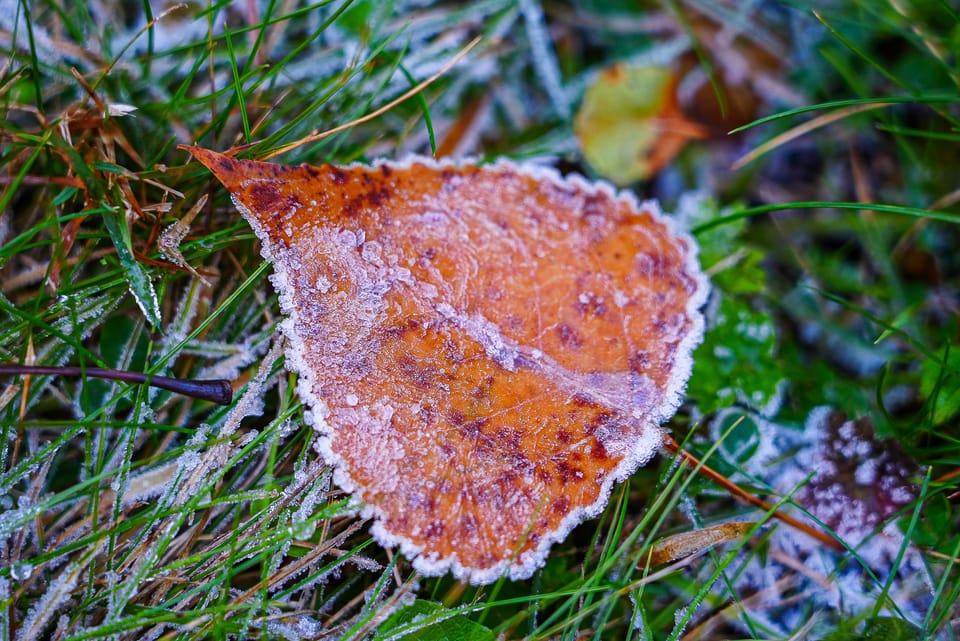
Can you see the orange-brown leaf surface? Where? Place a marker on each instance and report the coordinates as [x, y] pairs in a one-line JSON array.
[[485, 350]]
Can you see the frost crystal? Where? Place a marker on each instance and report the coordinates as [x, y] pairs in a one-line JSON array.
[[56, 596], [21, 571]]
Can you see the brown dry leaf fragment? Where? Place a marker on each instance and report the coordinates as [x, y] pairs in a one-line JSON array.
[[684, 544], [172, 236]]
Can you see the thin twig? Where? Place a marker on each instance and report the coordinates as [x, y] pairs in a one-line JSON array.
[[215, 390]]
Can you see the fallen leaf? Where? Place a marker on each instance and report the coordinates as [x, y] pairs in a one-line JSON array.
[[685, 544], [485, 351], [629, 124]]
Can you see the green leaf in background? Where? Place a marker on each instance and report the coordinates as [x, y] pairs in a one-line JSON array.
[[357, 18], [935, 528], [940, 384], [890, 629], [741, 436], [137, 278], [414, 622], [629, 125], [878, 629], [117, 338], [737, 360], [734, 266]]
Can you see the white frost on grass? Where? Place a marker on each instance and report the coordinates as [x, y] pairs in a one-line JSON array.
[[25, 515], [743, 437], [313, 493], [55, 598], [681, 620], [122, 589], [31, 37], [311, 482], [181, 324], [543, 57], [251, 402], [230, 358], [853, 483], [637, 621], [148, 484], [21, 571], [292, 626]]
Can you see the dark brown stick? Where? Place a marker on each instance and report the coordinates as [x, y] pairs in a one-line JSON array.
[[216, 391]]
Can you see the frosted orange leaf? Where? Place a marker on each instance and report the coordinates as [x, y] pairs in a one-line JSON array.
[[485, 350]]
